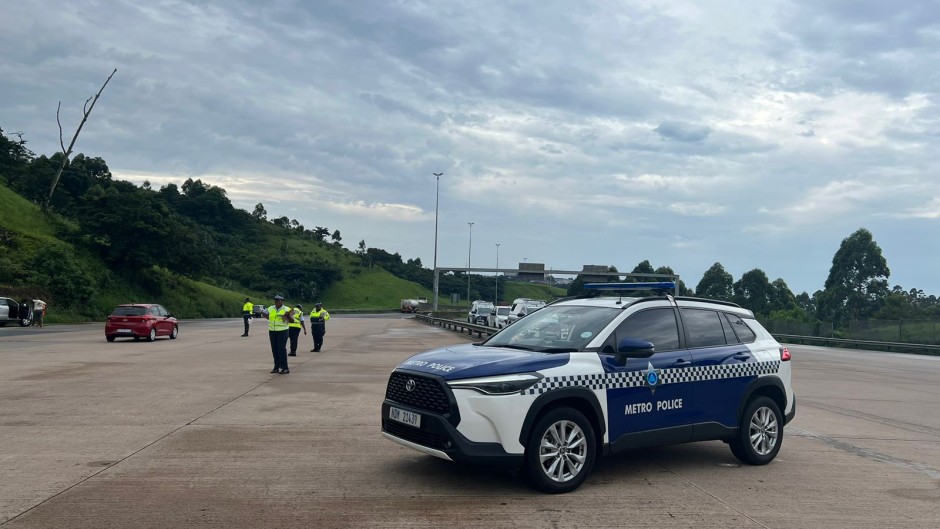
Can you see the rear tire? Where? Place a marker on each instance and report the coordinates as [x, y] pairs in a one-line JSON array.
[[109, 338], [153, 334], [561, 451], [760, 433]]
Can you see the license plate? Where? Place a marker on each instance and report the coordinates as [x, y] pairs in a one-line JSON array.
[[124, 331], [405, 417]]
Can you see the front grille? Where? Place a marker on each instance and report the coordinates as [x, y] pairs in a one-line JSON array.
[[427, 394], [408, 433]]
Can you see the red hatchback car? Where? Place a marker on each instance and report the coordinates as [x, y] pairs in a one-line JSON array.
[[140, 320]]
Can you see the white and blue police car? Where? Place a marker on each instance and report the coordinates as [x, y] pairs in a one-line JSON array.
[[587, 377]]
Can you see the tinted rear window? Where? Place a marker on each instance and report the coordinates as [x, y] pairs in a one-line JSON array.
[[129, 311]]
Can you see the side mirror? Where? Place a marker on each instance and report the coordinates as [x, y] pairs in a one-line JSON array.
[[635, 348]]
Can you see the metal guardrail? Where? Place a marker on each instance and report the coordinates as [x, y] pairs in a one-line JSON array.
[[901, 347], [928, 349], [458, 326]]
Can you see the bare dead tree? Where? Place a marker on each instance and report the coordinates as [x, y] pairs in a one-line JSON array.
[[67, 152]]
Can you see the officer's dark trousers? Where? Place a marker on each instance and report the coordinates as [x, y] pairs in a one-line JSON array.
[[247, 318], [318, 332], [279, 348], [293, 333]]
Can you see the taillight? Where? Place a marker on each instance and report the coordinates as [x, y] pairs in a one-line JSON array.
[[784, 354]]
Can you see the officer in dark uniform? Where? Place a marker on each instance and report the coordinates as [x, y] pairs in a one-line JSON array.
[[279, 317], [318, 319]]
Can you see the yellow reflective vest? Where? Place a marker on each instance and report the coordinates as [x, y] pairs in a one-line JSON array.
[[276, 318], [315, 316], [247, 307], [298, 317]]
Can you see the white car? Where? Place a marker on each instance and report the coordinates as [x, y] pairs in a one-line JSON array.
[[479, 312], [581, 378], [522, 308], [13, 312], [499, 317]]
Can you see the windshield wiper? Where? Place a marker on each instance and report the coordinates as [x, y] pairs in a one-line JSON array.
[[513, 346], [557, 350]]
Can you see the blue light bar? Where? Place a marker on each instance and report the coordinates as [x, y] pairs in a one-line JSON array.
[[663, 285]]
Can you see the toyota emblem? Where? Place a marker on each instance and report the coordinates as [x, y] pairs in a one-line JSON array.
[[410, 385]]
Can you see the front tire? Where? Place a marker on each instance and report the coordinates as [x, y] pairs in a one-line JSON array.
[[760, 433], [175, 333], [153, 334], [561, 451]]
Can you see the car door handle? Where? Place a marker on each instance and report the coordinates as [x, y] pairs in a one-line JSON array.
[[681, 362], [742, 356]]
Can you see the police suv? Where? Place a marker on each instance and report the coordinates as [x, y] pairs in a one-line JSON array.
[[587, 377]]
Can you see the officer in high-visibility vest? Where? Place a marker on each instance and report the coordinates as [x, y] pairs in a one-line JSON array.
[[246, 314], [279, 317], [318, 318], [293, 329]]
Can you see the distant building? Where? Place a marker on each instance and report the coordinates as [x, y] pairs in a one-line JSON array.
[[533, 272], [587, 278]]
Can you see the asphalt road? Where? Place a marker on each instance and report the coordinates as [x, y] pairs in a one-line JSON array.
[[195, 432]]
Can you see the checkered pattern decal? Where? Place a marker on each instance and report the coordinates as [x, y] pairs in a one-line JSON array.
[[634, 379]]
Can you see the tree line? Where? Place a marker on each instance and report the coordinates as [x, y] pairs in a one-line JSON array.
[[194, 230]]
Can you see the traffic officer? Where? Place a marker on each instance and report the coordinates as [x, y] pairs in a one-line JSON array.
[[279, 317], [318, 318], [294, 328], [246, 314]]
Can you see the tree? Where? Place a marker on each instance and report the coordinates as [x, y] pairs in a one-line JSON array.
[[780, 297], [259, 213], [320, 233], [644, 267], [66, 152], [56, 268], [363, 254], [336, 237], [716, 283], [857, 285], [752, 291]]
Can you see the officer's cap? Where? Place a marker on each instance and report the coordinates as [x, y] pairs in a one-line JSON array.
[[318, 304], [278, 297]]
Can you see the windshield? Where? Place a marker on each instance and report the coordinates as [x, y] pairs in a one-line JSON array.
[[565, 328], [502, 311], [129, 311]]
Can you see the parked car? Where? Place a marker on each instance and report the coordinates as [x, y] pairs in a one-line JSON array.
[[13, 312], [256, 311], [583, 378], [479, 312], [140, 320], [499, 317], [523, 307]]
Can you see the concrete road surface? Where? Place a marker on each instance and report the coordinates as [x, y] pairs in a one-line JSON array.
[[195, 432]]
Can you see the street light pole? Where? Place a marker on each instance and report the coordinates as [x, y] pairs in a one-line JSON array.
[[469, 250], [437, 199], [496, 300]]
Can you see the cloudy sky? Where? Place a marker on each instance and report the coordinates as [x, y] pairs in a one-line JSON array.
[[754, 134]]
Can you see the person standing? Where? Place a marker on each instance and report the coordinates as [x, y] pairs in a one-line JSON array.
[[318, 319], [293, 329], [246, 314], [39, 312], [279, 317]]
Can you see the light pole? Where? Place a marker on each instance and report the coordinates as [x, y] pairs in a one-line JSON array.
[[437, 199], [469, 250], [496, 300]]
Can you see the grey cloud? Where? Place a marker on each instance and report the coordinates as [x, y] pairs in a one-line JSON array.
[[680, 131]]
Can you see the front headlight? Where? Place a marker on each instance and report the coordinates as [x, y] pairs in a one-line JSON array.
[[498, 385]]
